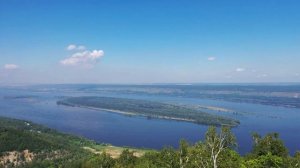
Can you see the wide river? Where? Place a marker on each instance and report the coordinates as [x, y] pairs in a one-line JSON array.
[[39, 106]]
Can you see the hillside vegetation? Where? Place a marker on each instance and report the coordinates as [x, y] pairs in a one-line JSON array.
[[24, 144]]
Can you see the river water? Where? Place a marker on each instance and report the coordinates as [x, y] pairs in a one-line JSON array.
[[39, 105]]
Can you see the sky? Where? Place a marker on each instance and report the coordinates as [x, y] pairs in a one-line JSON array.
[[157, 41]]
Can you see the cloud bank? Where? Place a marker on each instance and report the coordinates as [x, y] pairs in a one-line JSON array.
[[11, 66], [84, 58]]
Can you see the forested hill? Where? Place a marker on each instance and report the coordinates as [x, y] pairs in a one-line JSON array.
[[24, 144]]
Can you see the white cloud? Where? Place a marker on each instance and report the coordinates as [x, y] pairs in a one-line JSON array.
[[71, 47], [86, 58], [240, 69], [11, 66], [211, 58], [75, 47]]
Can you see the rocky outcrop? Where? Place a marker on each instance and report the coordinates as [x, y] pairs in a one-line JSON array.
[[15, 158]]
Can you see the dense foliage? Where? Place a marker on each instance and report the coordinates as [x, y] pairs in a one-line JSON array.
[[149, 109], [50, 147], [55, 149], [267, 153]]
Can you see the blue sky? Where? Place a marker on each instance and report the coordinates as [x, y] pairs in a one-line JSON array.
[[157, 41]]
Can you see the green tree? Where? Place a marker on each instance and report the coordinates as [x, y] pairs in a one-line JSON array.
[[200, 156], [145, 162], [218, 142], [269, 144], [100, 161], [150, 160], [126, 159], [169, 158], [293, 162], [265, 161], [297, 159], [230, 158], [183, 153]]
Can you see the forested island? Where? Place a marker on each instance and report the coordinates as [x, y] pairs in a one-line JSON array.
[[27, 145], [148, 109]]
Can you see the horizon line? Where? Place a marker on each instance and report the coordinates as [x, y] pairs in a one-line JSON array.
[[158, 83]]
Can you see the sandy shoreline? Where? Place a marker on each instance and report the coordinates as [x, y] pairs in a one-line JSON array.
[[135, 114], [214, 108]]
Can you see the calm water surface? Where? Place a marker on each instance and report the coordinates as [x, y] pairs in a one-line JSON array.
[[122, 130]]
